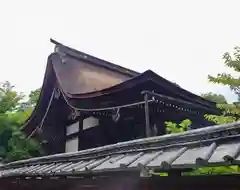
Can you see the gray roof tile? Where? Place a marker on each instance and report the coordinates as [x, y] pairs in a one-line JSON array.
[[225, 152], [145, 159], [110, 164], [189, 150]]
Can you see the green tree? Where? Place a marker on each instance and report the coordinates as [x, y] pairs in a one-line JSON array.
[[172, 127], [217, 98], [33, 97], [230, 112], [13, 113], [9, 99]]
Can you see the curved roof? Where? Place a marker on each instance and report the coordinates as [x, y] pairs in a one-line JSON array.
[[83, 78], [134, 76], [93, 60]]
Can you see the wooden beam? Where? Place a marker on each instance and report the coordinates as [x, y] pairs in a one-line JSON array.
[[181, 101]]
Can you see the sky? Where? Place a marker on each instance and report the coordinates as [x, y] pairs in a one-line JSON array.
[[183, 41]]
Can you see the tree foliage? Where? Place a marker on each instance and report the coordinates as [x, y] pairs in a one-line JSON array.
[[33, 97], [13, 113], [232, 61], [230, 112], [217, 98], [9, 98], [172, 127]]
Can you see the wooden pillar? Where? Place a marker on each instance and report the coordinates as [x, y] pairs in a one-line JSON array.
[[80, 134], [147, 127]]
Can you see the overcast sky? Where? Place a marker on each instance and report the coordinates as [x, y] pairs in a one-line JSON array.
[[182, 41]]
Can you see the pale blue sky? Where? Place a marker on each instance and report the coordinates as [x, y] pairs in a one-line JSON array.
[[182, 41]]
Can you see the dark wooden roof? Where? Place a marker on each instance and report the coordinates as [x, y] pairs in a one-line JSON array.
[[210, 146], [62, 71], [146, 81], [91, 59], [135, 77]]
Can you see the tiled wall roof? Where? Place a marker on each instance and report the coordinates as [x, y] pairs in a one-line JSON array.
[[211, 146]]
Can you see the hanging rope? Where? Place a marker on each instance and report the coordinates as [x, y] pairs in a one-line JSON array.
[[102, 109], [44, 117], [79, 109]]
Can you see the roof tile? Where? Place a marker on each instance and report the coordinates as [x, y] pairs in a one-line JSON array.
[[156, 154]]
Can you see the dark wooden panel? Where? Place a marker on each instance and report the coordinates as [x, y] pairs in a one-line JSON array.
[[127, 182]]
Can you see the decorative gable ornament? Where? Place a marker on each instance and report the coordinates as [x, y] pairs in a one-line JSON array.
[[74, 114], [57, 93], [116, 115]]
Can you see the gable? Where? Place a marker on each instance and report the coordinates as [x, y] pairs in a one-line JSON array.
[[79, 76]]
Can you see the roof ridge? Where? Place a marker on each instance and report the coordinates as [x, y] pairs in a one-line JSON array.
[[95, 60]]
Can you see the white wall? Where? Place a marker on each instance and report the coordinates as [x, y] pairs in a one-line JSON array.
[[71, 145], [74, 128], [90, 122]]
